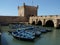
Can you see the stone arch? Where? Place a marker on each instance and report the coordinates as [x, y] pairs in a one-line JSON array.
[[49, 23], [33, 22], [39, 23]]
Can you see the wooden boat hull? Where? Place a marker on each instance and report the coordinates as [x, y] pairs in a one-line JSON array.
[[43, 31], [26, 39], [49, 30]]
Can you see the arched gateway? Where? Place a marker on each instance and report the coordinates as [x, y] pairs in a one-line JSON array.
[[50, 21], [39, 23], [33, 23]]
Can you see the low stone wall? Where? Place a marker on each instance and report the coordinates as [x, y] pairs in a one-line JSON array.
[[12, 19]]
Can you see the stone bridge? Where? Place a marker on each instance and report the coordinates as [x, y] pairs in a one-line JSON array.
[[51, 20]]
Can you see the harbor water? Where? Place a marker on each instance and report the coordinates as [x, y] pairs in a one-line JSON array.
[[50, 38]]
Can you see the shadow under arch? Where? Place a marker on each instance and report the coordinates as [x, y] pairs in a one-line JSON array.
[[33, 23], [39, 23], [49, 23], [58, 26]]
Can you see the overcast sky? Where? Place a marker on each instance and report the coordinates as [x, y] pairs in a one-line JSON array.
[[46, 7]]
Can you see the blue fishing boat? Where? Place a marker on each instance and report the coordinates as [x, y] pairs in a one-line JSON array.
[[34, 30], [23, 35], [37, 33], [43, 31], [49, 30]]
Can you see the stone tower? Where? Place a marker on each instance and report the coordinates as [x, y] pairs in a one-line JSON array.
[[27, 11]]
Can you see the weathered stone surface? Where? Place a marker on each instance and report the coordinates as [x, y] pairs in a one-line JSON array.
[[12, 19], [54, 18]]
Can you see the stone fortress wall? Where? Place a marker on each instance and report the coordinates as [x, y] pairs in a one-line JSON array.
[[44, 19], [29, 14]]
